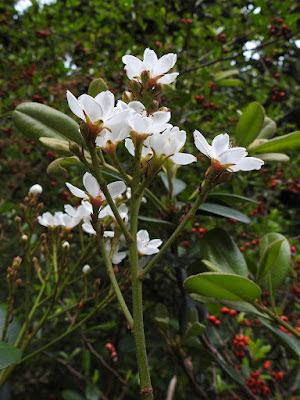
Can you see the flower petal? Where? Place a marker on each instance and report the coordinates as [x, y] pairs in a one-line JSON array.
[[168, 78], [247, 164], [91, 107], [201, 144], [161, 117], [116, 188], [150, 59], [75, 106], [76, 192], [164, 64], [91, 184], [232, 156], [143, 235], [133, 66], [129, 146], [183, 158], [219, 144], [106, 100]]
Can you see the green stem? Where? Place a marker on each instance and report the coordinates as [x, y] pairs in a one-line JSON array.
[[55, 268], [137, 296], [202, 195], [103, 186], [27, 292], [277, 319], [113, 279]]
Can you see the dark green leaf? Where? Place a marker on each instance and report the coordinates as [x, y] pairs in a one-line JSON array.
[[195, 329], [249, 124], [231, 198], [223, 286], [71, 395], [289, 142], [220, 249], [36, 120], [155, 220], [231, 371], [56, 168], [57, 145], [276, 261], [6, 206], [290, 342], [8, 355], [224, 211]]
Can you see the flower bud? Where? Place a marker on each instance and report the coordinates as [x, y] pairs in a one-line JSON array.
[[35, 190], [86, 269], [24, 238], [65, 245]]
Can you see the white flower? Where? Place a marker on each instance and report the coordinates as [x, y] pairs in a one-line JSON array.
[[157, 67], [158, 118], [49, 220], [118, 256], [36, 190], [101, 108], [223, 156], [93, 189], [86, 269], [169, 143], [145, 245], [112, 136]]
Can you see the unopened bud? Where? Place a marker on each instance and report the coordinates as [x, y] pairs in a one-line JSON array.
[[127, 97], [86, 269], [74, 148], [65, 245], [35, 190], [24, 238], [145, 76]]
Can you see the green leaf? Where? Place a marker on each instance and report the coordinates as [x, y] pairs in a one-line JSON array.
[[6, 206], [71, 395], [224, 211], [268, 129], [195, 329], [229, 82], [230, 371], [225, 74], [220, 249], [8, 355], [289, 342], [278, 157], [231, 198], [154, 220], [236, 305], [275, 259], [223, 286], [249, 124], [56, 168], [289, 142], [57, 145], [97, 86], [13, 328], [36, 120], [269, 257]]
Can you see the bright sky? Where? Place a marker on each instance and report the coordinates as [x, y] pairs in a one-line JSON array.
[[21, 5]]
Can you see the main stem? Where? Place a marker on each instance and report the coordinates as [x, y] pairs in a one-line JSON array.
[[137, 295]]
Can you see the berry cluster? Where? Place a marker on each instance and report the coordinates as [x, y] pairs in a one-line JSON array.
[[113, 353], [197, 230], [240, 341], [255, 384], [278, 28]]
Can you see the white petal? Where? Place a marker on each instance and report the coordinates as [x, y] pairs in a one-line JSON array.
[[87, 227], [232, 156], [219, 144], [168, 78], [91, 184], [91, 107], [116, 188], [129, 146], [247, 164], [201, 144], [138, 107], [76, 192], [183, 158], [164, 64], [150, 59], [147, 251], [143, 235], [161, 117], [107, 101], [155, 242], [75, 106], [70, 210], [133, 66]]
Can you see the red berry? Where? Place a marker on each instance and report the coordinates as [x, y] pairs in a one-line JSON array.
[[267, 364], [224, 310], [232, 313]]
